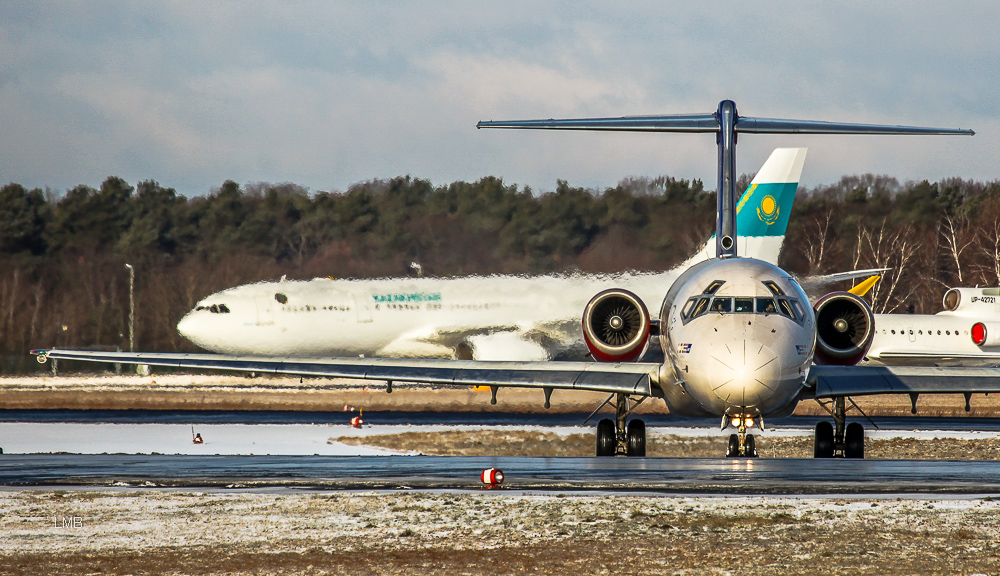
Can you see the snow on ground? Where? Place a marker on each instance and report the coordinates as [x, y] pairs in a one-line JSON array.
[[301, 439], [261, 439]]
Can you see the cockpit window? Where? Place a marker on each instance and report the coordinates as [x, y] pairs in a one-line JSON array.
[[786, 309], [774, 288], [699, 305], [766, 306], [722, 305], [281, 298], [714, 286], [688, 306], [701, 308]]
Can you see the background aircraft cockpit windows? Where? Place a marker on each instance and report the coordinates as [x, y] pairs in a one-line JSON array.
[[215, 308]]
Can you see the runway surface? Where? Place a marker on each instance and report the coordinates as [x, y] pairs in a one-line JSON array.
[[400, 418], [689, 475]]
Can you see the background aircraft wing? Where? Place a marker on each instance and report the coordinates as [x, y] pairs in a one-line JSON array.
[[831, 381], [634, 378]]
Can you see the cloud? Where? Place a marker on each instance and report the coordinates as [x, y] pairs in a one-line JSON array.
[[325, 95]]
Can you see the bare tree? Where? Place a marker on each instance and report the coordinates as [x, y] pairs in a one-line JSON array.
[[885, 248], [816, 239], [958, 236]]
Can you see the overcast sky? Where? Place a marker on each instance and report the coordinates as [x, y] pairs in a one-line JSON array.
[[327, 94]]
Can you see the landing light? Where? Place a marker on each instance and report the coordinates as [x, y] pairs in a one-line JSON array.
[[736, 421], [748, 422]]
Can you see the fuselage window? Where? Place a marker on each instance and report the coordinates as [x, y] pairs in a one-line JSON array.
[[894, 332], [766, 306], [743, 305], [281, 298], [722, 305], [947, 332]]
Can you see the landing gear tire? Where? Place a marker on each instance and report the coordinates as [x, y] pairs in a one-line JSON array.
[[734, 446], [750, 447], [635, 437], [606, 439], [854, 441], [823, 446]]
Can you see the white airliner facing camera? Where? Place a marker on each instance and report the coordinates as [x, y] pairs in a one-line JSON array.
[[471, 318], [738, 336]]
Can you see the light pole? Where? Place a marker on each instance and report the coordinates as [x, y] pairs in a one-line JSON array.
[[131, 308]]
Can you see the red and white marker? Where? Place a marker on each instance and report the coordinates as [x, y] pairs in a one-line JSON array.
[[493, 477], [358, 420]]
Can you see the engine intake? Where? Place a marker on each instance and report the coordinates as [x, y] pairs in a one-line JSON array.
[[616, 326], [845, 326]]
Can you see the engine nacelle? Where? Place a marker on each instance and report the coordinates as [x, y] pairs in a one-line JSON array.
[[616, 326], [845, 326]]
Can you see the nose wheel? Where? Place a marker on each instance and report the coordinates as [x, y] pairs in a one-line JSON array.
[[615, 437], [741, 444]]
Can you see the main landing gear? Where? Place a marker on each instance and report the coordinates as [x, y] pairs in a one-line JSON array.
[[614, 437], [844, 441]]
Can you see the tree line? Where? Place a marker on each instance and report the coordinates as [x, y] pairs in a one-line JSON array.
[[63, 255]]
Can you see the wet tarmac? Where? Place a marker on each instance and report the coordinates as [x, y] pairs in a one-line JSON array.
[[671, 475], [396, 418]]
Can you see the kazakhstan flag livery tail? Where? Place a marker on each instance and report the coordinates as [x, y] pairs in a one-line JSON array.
[[763, 210]]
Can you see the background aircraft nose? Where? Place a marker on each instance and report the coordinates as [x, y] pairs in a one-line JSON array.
[[187, 326], [743, 372]]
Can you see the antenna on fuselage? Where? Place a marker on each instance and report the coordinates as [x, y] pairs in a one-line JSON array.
[[726, 123]]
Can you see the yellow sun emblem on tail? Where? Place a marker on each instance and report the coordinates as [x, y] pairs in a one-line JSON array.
[[768, 210]]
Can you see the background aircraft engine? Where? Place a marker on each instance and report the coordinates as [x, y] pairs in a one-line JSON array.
[[616, 326], [845, 327]]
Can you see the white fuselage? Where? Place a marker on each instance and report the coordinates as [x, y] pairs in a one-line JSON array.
[[738, 335], [477, 317], [486, 318], [942, 339]]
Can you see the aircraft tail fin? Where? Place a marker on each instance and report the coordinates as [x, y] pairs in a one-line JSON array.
[[763, 210]]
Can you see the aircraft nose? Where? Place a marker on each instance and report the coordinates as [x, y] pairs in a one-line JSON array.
[[744, 372], [190, 327]]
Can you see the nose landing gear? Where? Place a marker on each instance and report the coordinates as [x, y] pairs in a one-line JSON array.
[[741, 444], [614, 437]]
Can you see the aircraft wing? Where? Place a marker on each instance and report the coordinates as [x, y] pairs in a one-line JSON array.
[[633, 378], [832, 381], [815, 284]]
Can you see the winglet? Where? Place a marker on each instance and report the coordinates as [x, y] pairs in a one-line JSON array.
[[864, 287]]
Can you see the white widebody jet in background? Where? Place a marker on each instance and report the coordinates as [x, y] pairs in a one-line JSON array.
[[740, 339], [469, 318]]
